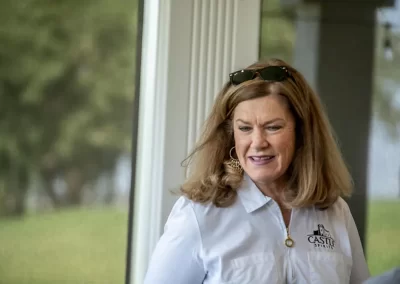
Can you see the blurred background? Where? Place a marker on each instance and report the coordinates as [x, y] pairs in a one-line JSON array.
[[67, 71]]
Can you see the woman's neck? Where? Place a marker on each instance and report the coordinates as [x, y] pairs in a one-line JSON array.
[[274, 189]]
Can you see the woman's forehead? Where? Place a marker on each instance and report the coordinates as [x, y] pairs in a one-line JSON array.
[[266, 106]]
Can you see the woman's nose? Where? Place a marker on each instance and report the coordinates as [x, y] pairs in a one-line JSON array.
[[259, 140]]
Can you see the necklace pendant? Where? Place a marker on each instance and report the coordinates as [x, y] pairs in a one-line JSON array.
[[289, 242]]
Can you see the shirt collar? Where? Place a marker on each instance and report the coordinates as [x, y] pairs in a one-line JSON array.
[[250, 196]]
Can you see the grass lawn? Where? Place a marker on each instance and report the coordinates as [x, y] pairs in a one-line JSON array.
[[383, 232], [88, 245], [74, 247]]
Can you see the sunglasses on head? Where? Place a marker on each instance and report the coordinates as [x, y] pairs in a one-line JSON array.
[[270, 73]]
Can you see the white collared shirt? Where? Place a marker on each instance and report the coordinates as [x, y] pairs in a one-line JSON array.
[[244, 244]]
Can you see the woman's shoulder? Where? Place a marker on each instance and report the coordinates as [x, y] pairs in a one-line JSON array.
[[184, 201], [186, 206], [202, 210], [341, 205], [182, 220], [208, 215], [340, 209]]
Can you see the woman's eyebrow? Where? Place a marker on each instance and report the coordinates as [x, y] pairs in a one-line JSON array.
[[267, 122]]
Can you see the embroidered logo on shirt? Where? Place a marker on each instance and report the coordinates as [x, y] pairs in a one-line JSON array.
[[321, 238]]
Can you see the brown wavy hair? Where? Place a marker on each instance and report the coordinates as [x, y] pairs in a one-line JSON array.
[[317, 175]]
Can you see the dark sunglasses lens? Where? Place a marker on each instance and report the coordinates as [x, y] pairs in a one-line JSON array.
[[273, 73], [242, 76]]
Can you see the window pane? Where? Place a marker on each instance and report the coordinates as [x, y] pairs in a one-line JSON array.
[[277, 31], [383, 225], [66, 93]]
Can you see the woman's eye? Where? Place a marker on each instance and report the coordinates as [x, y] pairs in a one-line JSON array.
[[244, 128], [274, 127]]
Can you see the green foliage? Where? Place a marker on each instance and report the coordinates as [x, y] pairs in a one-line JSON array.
[[383, 229], [277, 31], [66, 86], [73, 246]]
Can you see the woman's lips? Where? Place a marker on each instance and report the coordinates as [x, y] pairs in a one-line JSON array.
[[261, 160]]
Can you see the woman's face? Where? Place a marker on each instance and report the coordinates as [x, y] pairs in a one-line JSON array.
[[264, 132]]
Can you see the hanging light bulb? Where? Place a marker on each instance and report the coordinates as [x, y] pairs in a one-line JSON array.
[[387, 43]]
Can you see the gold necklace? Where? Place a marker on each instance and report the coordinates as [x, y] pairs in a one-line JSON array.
[[289, 242]]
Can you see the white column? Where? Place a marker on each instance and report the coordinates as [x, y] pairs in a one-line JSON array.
[[189, 48]]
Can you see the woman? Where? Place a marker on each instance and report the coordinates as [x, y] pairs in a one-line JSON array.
[[263, 200]]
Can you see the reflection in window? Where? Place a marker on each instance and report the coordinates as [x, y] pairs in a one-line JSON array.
[[66, 93]]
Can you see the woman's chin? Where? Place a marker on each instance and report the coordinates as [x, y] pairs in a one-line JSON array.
[[261, 178]]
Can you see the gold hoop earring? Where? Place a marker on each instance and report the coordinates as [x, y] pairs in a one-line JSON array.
[[234, 163]]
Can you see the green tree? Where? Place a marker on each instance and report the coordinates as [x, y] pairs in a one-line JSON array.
[[66, 87], [277, 31]]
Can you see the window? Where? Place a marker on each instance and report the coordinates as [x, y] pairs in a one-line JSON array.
[[384, 164], [67, 73], [277, 31]]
